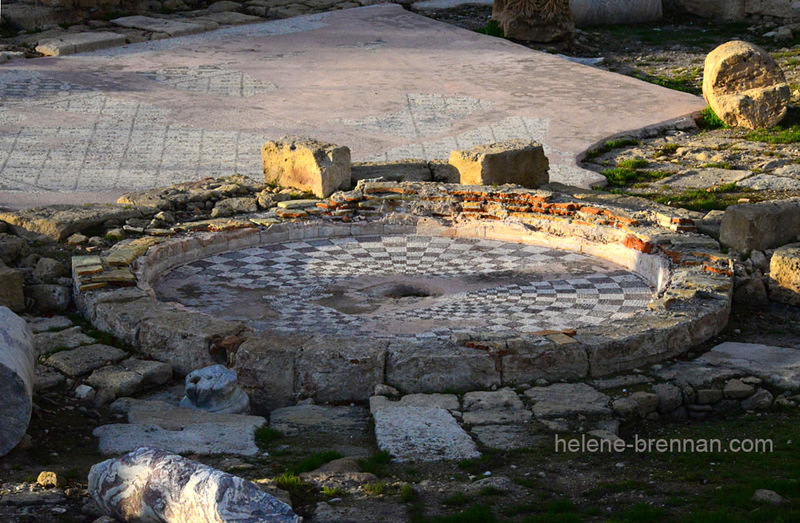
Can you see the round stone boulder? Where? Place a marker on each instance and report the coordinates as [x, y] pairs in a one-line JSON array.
[[744, 85]]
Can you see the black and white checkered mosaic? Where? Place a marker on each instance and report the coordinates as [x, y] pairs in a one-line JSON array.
[[498, 286]]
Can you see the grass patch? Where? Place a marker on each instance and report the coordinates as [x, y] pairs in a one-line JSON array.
[[717, 165], [621, 176], [459, 499], [265, 436], [668, 149], [315, 461], [332, 492], [407, 493], [492, 29], [610, 146], [710, 120], [686, 81], [474, 514], [776, 135], [292, 483], [633, 163], [376, 489], [713, 199], [375, 463]]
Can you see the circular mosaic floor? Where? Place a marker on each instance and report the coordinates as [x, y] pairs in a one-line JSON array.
[[407, 286]]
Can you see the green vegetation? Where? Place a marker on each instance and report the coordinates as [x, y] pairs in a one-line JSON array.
[[407, 493], [633, 163], [375, 463], [621, 176], [315, 461], [610, 146], [776, 135], [332, 492], [667, 149], [710, 120], [292, 483], [265, 436], [717, 165], [687, 81], [716, 198], [474, 514], [376, 489], [492, 29], [456, 500]]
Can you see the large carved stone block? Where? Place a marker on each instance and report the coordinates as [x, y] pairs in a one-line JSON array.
[[514, 161], [308, 165]]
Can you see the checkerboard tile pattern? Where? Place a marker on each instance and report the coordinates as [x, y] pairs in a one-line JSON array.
[[515, 287]]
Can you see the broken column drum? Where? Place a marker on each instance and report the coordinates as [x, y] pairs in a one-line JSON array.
[[17, 362]]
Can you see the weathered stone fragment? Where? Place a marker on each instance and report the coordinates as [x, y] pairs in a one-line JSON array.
[[49, 297], [59, 222], [83, 360], [214, 389], [745, 86], [11, 291], [308, 165], [778, 366], [568, 399], [515, 161], [130, 377], [784, 274], [534, 20], [71, 43], [760, 226], [413, 434], [309, 419], [17, 362], [169, 487]]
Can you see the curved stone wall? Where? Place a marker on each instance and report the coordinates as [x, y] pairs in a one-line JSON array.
[[692, 278]]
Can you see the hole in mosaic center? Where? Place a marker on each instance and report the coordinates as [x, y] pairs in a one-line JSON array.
[[408, 285]]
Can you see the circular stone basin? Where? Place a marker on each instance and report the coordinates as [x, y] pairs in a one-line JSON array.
[[407, 285]]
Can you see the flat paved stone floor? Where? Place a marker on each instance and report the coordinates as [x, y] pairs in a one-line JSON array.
[[387, 83], [407, 286]]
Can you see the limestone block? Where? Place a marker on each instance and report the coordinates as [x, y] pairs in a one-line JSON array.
[[414, 368], [265, 367], [58, 222], [596, 12], [17, 362], [514, 161], [306, 164], [83, 360], [725, 9], [745, 86], [11, 291], [534, 21], [784, 274], [158, 25], [415, 434], [71, 43], [760, 226], [168, 487], [568, 399], [214, 389], [333, 369]]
